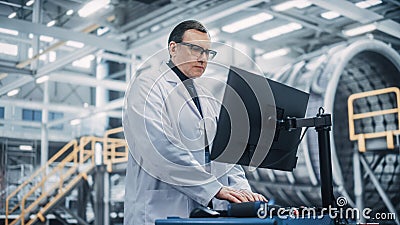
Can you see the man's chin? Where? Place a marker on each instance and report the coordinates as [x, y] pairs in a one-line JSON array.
[[197, 75]]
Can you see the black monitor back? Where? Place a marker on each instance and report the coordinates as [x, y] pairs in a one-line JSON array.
[[279, 144]]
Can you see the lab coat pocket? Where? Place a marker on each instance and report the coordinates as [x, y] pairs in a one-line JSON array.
[[159, 204]]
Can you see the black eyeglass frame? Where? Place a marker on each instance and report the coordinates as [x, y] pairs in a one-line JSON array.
[[210, 54]]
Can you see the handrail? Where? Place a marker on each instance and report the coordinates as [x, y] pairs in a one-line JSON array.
[[85, 155], [44, 193], [82, 158], [78, 151], [35, 174], [352, 117], [110, 145]]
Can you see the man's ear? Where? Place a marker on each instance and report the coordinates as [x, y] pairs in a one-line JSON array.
[[172, 48]]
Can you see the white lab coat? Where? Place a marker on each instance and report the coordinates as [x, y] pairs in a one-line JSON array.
[[163, 129]]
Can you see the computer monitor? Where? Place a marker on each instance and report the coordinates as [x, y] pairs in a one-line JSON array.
[[247, 130]]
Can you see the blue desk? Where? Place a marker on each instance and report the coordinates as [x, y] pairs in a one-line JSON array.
[[326, 220]]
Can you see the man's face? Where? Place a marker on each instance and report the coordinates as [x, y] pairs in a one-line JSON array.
[[181, 55]]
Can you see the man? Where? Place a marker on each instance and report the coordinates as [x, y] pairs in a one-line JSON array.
[[168, 122]]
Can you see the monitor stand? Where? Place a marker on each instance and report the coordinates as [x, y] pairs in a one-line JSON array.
[[322, 123]]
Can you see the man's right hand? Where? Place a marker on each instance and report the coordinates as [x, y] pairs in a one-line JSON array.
[[232, 195]]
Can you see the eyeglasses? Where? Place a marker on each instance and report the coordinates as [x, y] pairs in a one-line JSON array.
[[198, 50]]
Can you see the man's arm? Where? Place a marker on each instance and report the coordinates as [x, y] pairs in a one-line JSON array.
[[161, 153]]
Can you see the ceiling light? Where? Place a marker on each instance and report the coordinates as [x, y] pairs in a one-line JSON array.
[[214, 32], [42, 57], [42, 79], [75, 122], [12, 15], [8, 31], [46, 38], [368, 3], [302, 4], [25, 147], [277, 31], [247, 22], [276, 53], [69, 12], [30, 2], [290, 4], [75, 44], [360, 30], [92, 7], [155, 28], [8, 49], [52, 56], [51, 23], [13, 92], [84, 62], [102, 31], [3, 75], [89, 57], [330, 15]]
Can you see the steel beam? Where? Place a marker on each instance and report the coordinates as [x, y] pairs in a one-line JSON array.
[[101, 206], [61, 62], [63, 34], [390, 27], [114, 57], [13, 70], [157, 17], [349, 10], [115, 104], [20, 123], [15, 38], [85, 80], [363, 16], [39, 106], [48, 68], [207, 16], [33, 134], [114, 114]]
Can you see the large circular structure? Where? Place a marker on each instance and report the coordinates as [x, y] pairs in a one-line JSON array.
[[330, 78]]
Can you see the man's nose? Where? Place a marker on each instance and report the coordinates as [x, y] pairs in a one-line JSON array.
[[203, 57]]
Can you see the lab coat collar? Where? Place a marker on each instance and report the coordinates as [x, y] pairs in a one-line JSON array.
[[168, 74], [173, 79]]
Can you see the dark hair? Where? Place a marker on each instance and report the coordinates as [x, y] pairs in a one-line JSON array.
[[177, 33]]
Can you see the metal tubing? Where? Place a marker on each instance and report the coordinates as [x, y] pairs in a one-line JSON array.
[[325, 165], [358, 182]]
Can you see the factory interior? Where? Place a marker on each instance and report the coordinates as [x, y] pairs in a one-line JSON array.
[[65, 66]]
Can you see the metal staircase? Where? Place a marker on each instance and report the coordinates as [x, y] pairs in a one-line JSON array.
[[48, 186]]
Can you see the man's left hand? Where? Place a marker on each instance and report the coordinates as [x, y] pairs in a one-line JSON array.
[[251, 196]]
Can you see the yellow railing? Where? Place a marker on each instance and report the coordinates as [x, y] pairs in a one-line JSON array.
[[41, 171], [85, 165], [115, 149], [361, 137], [78, 161]]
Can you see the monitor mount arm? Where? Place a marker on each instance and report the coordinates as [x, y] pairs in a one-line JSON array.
[[322, 123]]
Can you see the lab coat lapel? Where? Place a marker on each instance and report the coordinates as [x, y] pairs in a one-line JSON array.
[[174, 80]]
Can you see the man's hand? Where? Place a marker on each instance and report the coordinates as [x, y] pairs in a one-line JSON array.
[[252, 197], [238, 196]]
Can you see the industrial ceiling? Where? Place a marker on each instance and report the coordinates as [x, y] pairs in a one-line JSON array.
[[60, 43]]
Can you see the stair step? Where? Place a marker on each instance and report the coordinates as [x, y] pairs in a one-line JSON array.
[[43, 202]]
